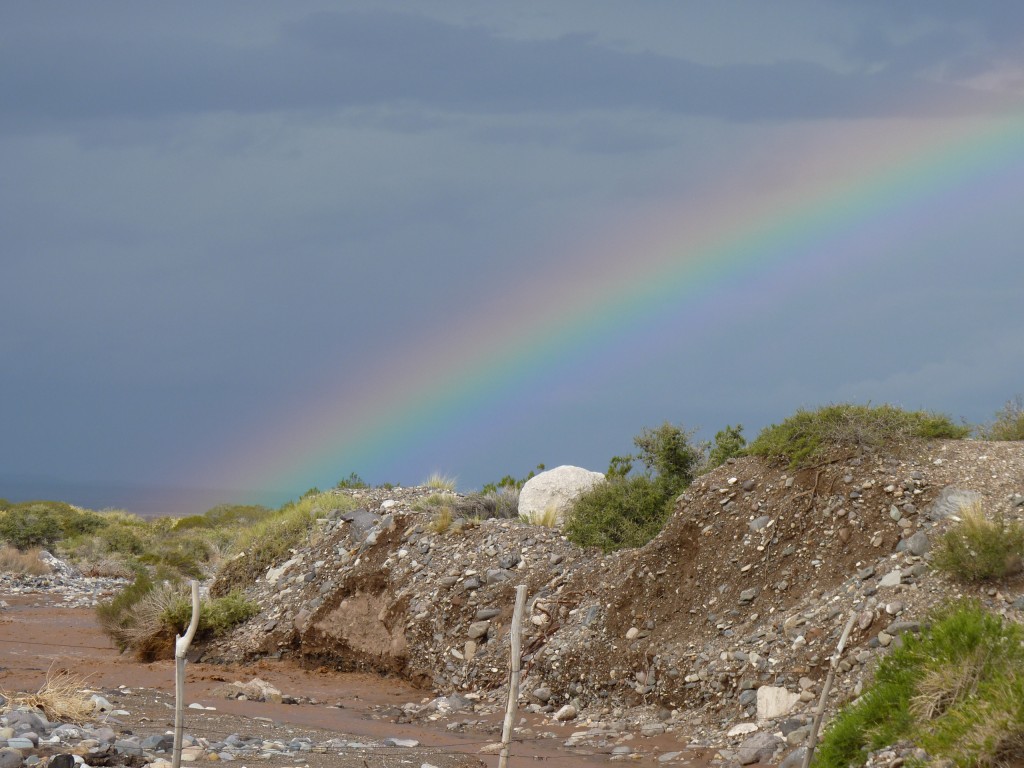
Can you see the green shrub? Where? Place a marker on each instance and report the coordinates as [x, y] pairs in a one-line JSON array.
[[629, 510], [29, 525], [729, 443], [670, 454], [622, 512], [979, 549], [216, 617], [1009, 422], [955, 690], [125, 539], [811, 436]]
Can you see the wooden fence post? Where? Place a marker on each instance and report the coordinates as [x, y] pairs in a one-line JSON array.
[[812, 737], [181, 645], [515, 663]]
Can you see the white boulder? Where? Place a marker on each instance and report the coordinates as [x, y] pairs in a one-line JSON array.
[[554, 491]]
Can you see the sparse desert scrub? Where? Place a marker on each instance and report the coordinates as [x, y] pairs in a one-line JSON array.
[[62, 698], [1008, 424], [807, 437], [14, 560], [980, 549], [956, 690]]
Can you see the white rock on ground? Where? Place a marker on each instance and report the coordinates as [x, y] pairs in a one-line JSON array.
[[556, 489]]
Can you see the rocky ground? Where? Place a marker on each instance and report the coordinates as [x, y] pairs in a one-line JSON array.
[[718, 633], [714, 639]]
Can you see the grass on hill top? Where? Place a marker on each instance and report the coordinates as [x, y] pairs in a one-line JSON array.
[[807, 437]]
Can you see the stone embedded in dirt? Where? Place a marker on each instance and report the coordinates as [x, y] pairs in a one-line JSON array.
[[774, 702], [567, 712], [759, 748]]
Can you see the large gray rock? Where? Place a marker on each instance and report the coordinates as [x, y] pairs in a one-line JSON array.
[[555, 490]]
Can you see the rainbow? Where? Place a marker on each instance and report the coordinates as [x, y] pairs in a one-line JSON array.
[[804, 209]]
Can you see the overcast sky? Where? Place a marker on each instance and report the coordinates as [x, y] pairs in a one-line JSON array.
[[220, 222]]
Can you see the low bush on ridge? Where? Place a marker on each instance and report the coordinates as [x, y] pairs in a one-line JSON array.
[[807, 437], [956, 690], [1008, 424]]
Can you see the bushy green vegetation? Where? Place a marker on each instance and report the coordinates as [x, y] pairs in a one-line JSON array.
[[146, 616], [620, 513], [957, 690], [808, 437], [1008, 424], [44, 523], [729, 444], [979, 549], [629, 509]]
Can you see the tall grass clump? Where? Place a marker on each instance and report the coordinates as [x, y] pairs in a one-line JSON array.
[[956, 690], [1008, 424], [808, 437], [146, 619], [979, 549], [440, 482]]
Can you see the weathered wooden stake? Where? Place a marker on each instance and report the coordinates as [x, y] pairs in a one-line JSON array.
[[181, 645], [515, 635], [812, 737]]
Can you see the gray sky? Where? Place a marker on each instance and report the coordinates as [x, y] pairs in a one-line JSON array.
[[222, 220]]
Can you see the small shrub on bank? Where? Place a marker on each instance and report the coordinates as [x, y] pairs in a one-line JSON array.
[[619, 513], [810, 436], [956, 690], [1009, 422], [979, 549], [629, 510]]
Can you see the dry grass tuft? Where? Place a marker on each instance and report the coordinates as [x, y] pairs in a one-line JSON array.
[[13, 560], [548, 518], [62, 698], [442, 520]]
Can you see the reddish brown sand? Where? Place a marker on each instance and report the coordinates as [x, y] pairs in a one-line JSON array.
[[37, 634]]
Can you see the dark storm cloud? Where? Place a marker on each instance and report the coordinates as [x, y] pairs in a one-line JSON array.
[[331, 61]]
